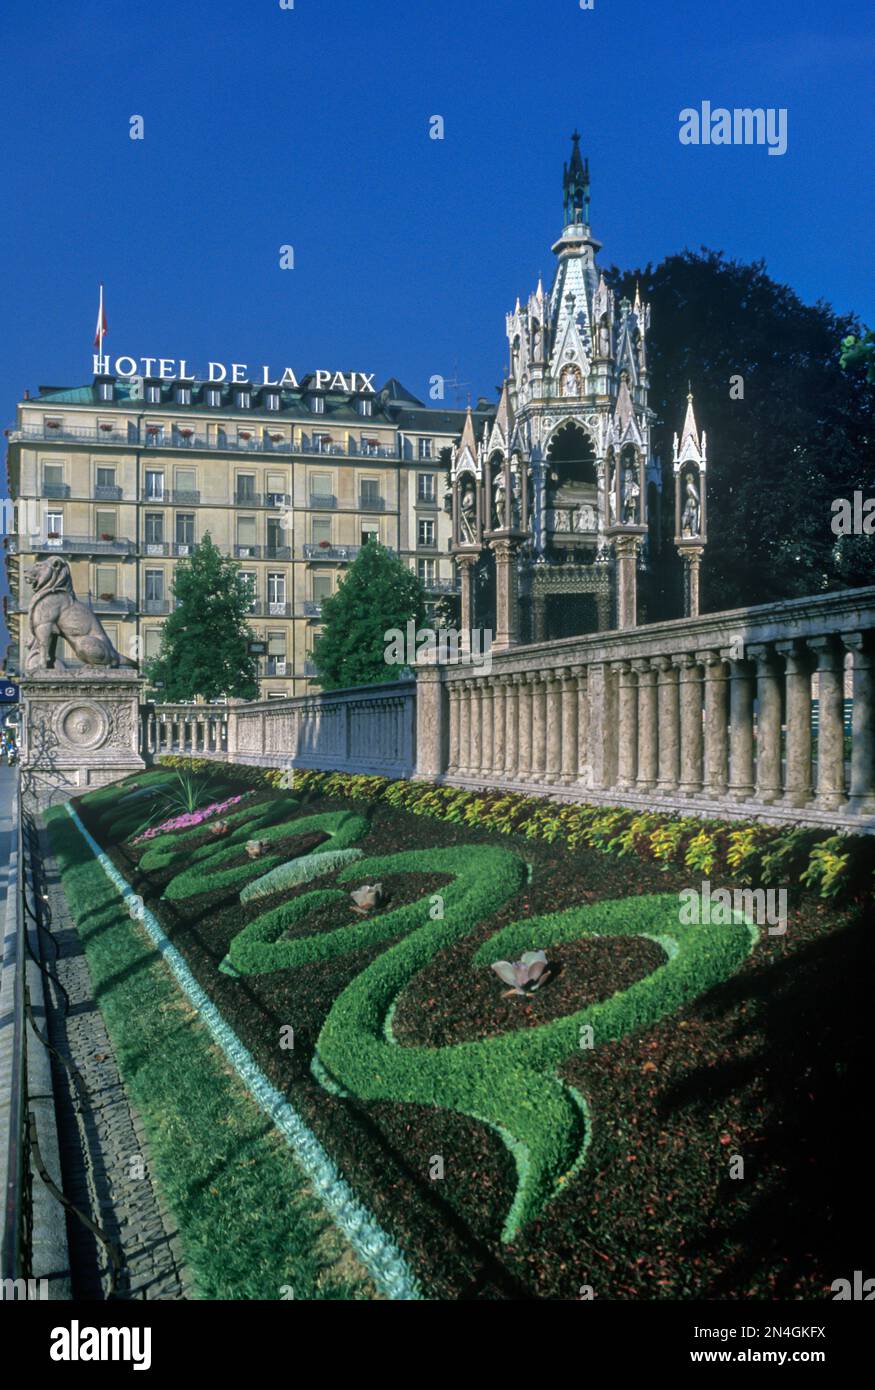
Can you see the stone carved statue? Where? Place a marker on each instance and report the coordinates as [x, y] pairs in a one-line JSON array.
[[631, 493], [585, 517], [468, 515], [54, 612], [690, 522], [516, 496], [498, 501]]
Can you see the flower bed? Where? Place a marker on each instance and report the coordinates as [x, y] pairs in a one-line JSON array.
[[562, 1161], [189, 818]]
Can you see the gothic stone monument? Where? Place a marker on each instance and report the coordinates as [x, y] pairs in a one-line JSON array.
[[81, 723]]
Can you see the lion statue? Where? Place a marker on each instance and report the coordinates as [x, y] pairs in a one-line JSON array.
[[55, 612]]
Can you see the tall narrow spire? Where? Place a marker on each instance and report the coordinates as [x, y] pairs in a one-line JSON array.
[[575, 186]]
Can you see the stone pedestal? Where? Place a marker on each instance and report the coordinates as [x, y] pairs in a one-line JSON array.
[[80, 729]]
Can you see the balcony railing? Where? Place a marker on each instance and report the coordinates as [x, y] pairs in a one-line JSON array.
[[320, 551], [371, 504], [104, 492], [277, 666], [156, 605], [322, 499], [277, 552], [310, 608], [75, 434], [248, 499], [247, 552], [56, 489], [112, 604], [84, 545], [185, 496], [442, 586]]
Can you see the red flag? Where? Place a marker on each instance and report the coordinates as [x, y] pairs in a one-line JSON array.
[[101, 323]]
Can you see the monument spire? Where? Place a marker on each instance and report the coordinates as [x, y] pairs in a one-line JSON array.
[[575, 186]]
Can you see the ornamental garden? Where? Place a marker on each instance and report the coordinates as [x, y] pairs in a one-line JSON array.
[[390, 1040]]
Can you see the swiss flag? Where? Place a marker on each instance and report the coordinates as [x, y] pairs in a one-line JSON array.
[[101, 323]]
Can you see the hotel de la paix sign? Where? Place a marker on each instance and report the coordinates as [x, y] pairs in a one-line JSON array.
[[235, 373]]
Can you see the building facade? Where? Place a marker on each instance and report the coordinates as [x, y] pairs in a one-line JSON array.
[[123, 477]]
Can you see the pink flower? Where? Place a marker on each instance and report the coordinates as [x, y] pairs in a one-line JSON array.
[[188, 818]]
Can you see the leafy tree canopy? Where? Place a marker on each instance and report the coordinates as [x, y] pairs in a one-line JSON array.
[[377, 593], [203, 642], [799, 437]]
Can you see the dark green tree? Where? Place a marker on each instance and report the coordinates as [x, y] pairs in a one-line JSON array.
[[204, 640], [377, 594], [794, 434]]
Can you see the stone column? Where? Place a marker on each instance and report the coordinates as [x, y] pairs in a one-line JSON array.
[[569, 726], [455, 712], [539, 617], [435, 726], [863, 725], [583, 771], [465, 565], [506, 605], [768, 741], [690, 697], [741, 692], [799, 663], [524, 696], [553, 761], [601, 723], [499, 691], [539, 726], [626, 548], [668, 748], [830, 723], [627, 741], [648, 735], [512, 703], [488, 716], [716, 724], [474, 760], [464, 727]]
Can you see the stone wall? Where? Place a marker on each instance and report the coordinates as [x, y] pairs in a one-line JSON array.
[[371, 729], [709, 716]]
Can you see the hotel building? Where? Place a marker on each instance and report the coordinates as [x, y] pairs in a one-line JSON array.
[[124, 476]]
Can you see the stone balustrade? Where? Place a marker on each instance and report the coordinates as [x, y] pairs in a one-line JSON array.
[[370, 729], [710, 715]]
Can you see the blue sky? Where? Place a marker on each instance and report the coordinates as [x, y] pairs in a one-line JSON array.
[[309, 127]]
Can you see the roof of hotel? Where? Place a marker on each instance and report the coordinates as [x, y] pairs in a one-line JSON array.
[[393, 404]]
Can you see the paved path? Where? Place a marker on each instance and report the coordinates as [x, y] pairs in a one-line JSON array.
[[104, 1155]]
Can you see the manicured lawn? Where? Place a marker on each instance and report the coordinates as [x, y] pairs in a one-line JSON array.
[[506, 1151]]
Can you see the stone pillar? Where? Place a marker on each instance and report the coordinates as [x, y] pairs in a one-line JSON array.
[[80, 729], [568, 698], [692, 561], [741, 745], [768, 739], [716, 724], [539, 726], [453, 698], [474, 697], [583, 771], [601, 726], [506, 604], [799, 663], [512, 719], [830, 723], [539, 617], [524, 695], [464, 727], [436, 725], [863, 725], [553, 761], [465, 565], [487, 716], [690, 699], [627, 742], [668, 750], [648, 728], [499, 693], [626, 548]]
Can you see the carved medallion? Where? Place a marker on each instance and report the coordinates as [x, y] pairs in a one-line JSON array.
[[82, 724]]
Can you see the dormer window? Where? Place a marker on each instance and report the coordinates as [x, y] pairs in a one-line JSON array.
[[365, 406], [183, 395], [214, 395], [153, 395], [317, 405], [104, 391], [244, 400], [272, 400]]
